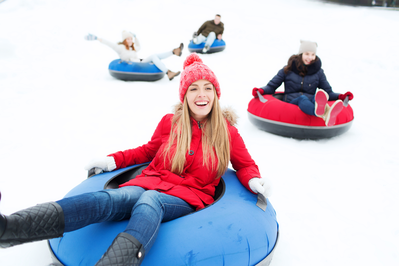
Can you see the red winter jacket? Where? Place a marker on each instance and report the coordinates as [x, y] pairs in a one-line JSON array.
[[196, 185]]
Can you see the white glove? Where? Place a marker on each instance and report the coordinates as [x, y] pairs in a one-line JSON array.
[[101, 164], [260, 185], [90, 37]]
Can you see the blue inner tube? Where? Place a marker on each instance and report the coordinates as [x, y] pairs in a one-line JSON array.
[[217, 46], [231, 231], [134, 71]]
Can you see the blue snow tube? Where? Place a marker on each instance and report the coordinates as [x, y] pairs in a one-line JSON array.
[[134, 71], [217, 46], [231, 231]]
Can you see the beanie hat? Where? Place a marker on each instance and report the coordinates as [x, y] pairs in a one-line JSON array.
[[126, 34], [193, 70], [307, 46]]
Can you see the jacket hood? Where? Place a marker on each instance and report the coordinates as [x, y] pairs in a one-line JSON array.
[[228, 113]]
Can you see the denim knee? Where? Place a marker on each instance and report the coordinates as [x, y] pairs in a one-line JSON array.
[[124, 195], [150, 198]]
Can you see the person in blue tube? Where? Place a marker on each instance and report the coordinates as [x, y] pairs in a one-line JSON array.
[[209, 32], [189, 152]]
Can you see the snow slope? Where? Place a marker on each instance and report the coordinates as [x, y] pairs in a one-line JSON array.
[[336, 199]]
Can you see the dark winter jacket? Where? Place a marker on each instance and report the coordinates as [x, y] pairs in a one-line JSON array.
[[296, 85], [196, 185], [210, 26]]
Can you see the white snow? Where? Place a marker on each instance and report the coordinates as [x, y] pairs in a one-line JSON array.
[[336, 200]]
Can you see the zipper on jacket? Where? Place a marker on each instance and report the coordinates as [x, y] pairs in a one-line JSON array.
[[199, 124]]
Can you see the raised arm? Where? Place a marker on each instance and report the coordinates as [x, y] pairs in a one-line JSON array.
[[92, 37], [112, 45]]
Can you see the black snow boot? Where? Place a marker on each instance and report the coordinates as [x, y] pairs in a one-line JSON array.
[[124, 251], [43, 221]]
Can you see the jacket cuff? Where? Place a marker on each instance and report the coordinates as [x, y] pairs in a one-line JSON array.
[[111, 165]]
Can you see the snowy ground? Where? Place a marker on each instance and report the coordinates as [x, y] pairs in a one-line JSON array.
[[336, 200]]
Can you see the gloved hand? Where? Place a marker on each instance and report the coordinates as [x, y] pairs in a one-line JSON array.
[[255, 90], [90, 37], [260, 185], [101, 164], [343, 96]]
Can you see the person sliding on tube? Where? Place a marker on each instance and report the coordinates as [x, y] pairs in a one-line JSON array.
[[130, 45], [306, 85], [208, 33], [189, 151]]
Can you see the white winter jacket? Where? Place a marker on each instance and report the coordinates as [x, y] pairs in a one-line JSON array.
[[125, 55]]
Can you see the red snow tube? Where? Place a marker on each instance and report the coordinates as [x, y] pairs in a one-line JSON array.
[[285, 119]]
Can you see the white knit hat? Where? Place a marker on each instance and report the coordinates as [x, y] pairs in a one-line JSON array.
[[307, 46], [126, 34]]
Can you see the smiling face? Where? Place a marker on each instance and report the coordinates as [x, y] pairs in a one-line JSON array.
[[200, 96], [308, 57], [129, 41]]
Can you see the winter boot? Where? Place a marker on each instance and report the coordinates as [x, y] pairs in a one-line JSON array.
[[171, 74], [206, 48], [124, 251], [179, 50], [195, 37], [320, 102], [43, 221], [3, 223], [332, 112]]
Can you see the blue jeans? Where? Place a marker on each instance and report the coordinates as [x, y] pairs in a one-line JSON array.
[[156, 59], [145, 209], [305, 104], [208, 40]]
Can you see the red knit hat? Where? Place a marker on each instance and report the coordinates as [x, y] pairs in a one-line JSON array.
[[193, 70]]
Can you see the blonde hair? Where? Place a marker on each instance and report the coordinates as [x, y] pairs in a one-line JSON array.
[[215, 139]]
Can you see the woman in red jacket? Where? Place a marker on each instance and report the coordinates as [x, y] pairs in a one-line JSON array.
[[189, 152]]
